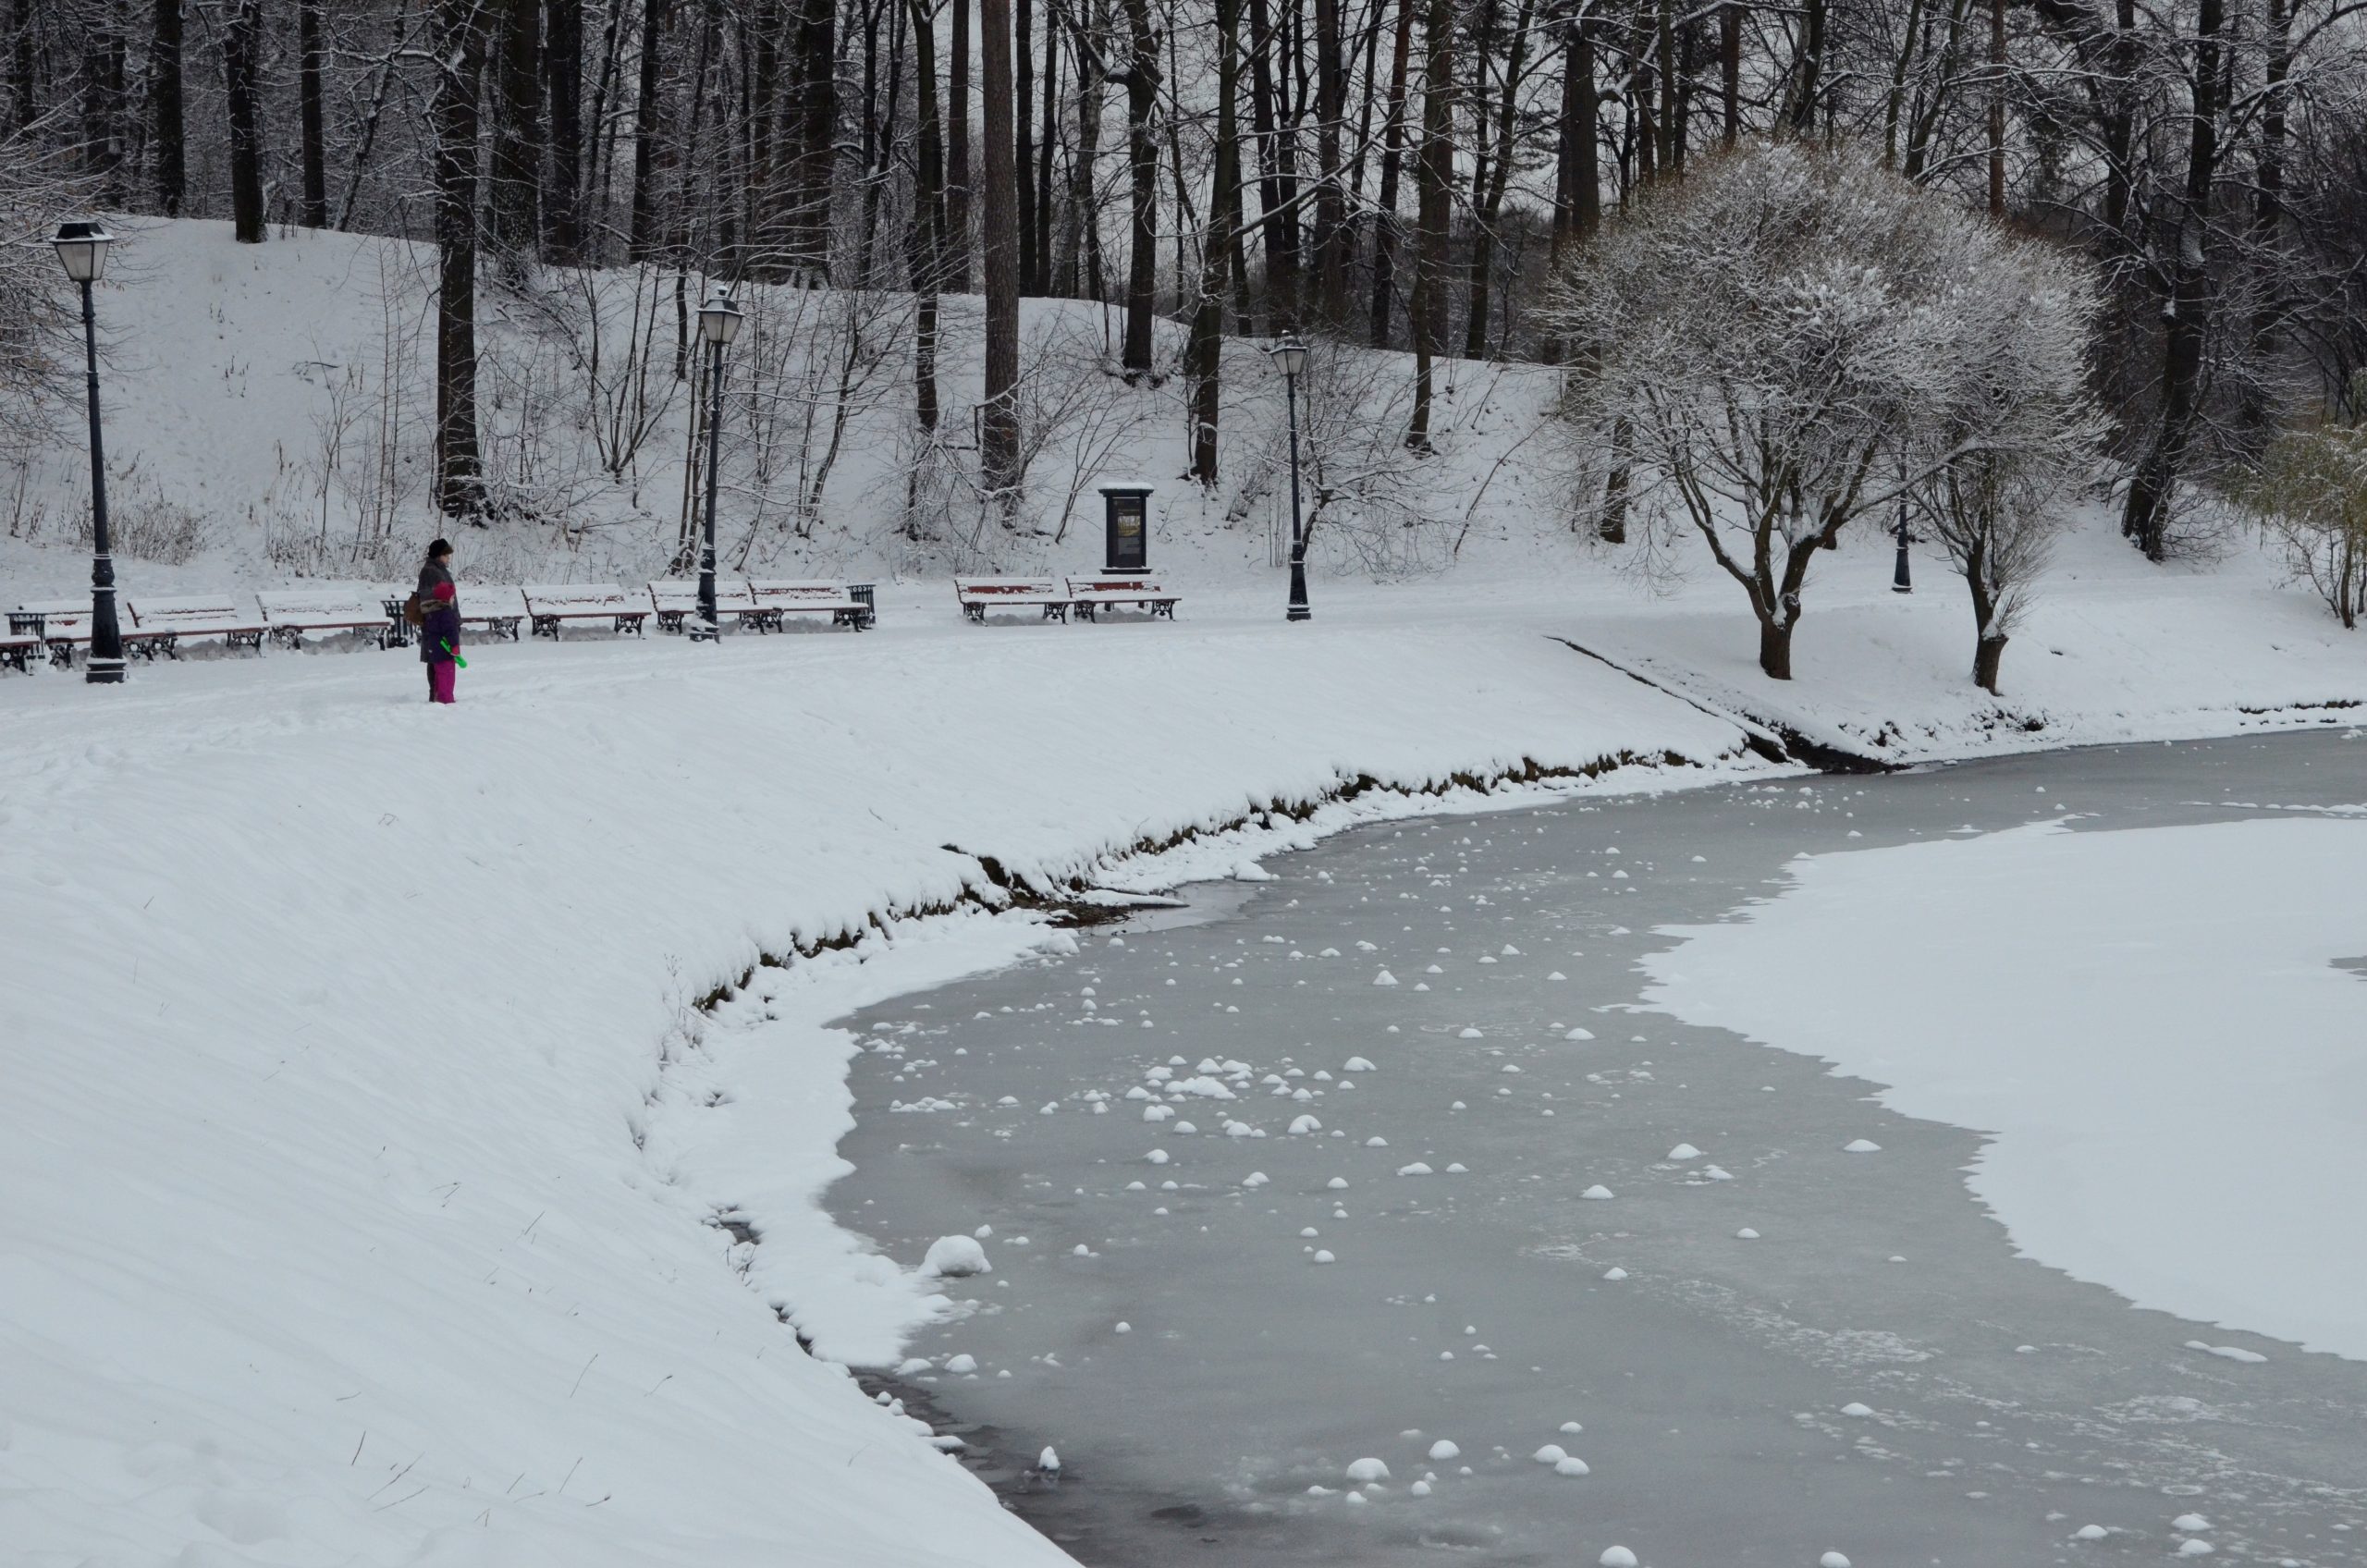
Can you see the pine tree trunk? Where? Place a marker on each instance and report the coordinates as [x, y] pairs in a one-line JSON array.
[[1392, 153], [458, 41], [163, 103], [642, 242], [2146, 517], [956, 238], [563, 85], [518, 131], [1024, 140], [1331, 199], [998, 236], [241, 58], [1433, 172], [308, 52], [1045, 145], [929, 209], [815, 74], [1206, 353], [1142, 154]]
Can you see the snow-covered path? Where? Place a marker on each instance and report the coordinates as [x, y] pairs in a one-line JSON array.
[[332, 1025]]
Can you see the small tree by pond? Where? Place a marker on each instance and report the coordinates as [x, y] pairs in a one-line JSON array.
[[2309, 492], [2012, 446], [1760, 351]]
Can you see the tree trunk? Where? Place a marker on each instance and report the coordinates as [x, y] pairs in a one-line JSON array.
[[562, 201], [164, 102], [2268, 220], [241, 58], [1023, 139], [458, 41], [1330, 199], [1046, 144], [642, 242], [1997, 109], [309, 114], [1774, 650], [1730, 71], [1392, 153], [2146, 517], [515, 208], [2120, 121], [1492, 200], [999, 436], [1807, 70], [815, 70], [1433, 171], [1141, 154], [1205, 351], [955, 241], [1277, 184], [1080, 233], [1987, 655], [928, 204]]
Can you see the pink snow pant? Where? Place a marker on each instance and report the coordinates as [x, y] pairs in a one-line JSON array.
[[439, 680]]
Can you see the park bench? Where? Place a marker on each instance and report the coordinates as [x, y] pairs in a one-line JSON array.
[[676, 600], [1087, 595], [18, 648], [497, 611], [548, 605], [63, 625], [847, 604], [977, 596], [291, 612], [200, 617]]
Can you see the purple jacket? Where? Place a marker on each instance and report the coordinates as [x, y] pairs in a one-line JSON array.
[[442, 626]]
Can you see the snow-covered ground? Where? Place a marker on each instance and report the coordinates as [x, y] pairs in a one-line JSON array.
[[2151, 1021], [360, 1163], [334, 1024]]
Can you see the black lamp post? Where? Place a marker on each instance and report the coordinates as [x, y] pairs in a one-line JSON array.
[[82, 248], [719, 324], [1290, 355]]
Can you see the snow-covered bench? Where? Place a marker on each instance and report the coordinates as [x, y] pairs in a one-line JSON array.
[[18, 648], [495, 610], [199, 617], [977, 596], [1088, 594], [676, 600], [847, 604], [63, 625], [550, 604], [291, 612]]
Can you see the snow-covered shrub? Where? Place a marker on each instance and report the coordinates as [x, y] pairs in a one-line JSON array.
[[2309, 490]]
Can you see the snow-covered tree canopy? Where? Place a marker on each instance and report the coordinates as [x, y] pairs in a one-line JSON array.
[[1788, 340]]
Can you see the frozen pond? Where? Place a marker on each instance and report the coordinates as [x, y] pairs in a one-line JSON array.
[[1874, 1373]]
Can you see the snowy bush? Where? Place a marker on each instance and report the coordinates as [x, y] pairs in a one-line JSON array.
[[2309, 491]]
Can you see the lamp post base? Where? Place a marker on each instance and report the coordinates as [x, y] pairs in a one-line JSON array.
[[102, 673], [1300, 612]]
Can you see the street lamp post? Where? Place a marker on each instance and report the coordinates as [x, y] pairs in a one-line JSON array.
[[719, 324], [82, 249], [1290, 355]]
